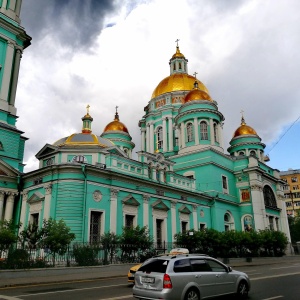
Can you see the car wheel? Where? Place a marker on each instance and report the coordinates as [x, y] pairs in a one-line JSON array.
[[192, 294], [242, 290]]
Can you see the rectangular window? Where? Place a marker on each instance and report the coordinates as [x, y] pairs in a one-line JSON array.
[[129, 221], [202, 226], [271, 221], [34, 219], [184, 226], [294, 179], [295, 187], [95, 226], [159, 240], [225, 184]]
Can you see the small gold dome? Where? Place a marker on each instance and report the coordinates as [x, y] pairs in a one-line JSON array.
[[244, 130], [178, 54], [116, 125], [177, 82], [197, 94]]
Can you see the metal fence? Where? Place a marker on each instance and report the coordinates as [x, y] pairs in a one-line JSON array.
[[22, 256]]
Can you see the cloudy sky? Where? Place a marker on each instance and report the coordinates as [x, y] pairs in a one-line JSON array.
[[114, 53]]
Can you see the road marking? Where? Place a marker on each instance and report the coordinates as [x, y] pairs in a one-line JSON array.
[[276, 297], [274, 276], [115, 298], [2, 297], [295, 266]]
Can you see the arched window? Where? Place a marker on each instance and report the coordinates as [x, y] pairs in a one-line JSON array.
[[228, 222], [165, 175], [179, 66], [269, 198], [157, 174], [216, 133], [242, 153], [203, 131], [160, 138], [189, 132], [253, 153]]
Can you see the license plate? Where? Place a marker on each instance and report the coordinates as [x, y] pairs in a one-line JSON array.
[[147, 280]]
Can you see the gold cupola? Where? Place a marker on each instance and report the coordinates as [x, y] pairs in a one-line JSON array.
[[197, 94], [179, 79], [244, 129], [116, 125]]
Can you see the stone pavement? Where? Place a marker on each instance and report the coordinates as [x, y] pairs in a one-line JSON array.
[[53, 275]]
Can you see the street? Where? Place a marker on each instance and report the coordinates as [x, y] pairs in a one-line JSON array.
[[276, 281]]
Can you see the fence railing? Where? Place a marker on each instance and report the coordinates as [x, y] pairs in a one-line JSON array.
[[23, 256]]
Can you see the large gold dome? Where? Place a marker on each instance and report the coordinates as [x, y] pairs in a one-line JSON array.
[[177, 82], [244, 129]]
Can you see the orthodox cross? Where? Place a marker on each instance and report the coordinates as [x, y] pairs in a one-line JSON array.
[[195, 74], [87, 109], [177, 42], [117, 109], [243, 120]]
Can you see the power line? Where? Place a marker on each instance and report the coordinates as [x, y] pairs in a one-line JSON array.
[[284, 134]]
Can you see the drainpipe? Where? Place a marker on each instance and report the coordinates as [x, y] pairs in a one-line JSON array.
[[84, 203]]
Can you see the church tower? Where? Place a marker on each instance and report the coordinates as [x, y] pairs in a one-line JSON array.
[[13, 40]]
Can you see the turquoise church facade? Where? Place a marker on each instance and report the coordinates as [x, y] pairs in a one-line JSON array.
[[182, 179]]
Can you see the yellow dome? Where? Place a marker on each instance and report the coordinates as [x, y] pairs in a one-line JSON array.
[[196, 94], [244, 130], [116, 125], [177, 82], [178, 53]]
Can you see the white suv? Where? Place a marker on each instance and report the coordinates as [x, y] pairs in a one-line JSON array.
[[188, 277]]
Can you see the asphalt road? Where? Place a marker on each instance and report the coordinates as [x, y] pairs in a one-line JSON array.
[[276, 281]]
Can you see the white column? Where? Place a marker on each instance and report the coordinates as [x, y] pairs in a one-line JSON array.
[[171, 138], [178, 137], [18, 7], [196, 130], [143, 131], [182, 131], [220, 133], [8, 214], [148, 138], [47, 203], [2, 194], [4, 3], [113, 210], [12, 5], [146, 210], [151, 138], [173, 219], [259, 211], [7, 71], [195, 218], [165, 142], [212, 134], [23, 210]]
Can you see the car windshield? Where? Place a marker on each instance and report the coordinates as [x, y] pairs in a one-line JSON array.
[[154, 265]]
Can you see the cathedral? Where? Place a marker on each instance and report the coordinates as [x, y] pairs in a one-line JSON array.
[[183, 179]]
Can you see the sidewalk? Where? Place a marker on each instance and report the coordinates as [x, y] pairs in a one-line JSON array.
[[52, 275]]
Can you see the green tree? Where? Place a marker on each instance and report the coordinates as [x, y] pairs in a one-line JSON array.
[[57, 237], [133, 240], [8, 234], [294, 223], [110, 242], [32, 236]]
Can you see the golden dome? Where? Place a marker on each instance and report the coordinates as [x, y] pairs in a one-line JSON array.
[[178, 54], [244, 130], [116, 125], [177, 82], [196, 94]]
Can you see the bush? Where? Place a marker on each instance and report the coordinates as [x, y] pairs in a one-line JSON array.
[[86, 255]]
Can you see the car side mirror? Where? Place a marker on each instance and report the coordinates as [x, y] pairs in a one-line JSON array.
[[229, 269]]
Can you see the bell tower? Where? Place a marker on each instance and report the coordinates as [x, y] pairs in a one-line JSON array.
[[13, 40]]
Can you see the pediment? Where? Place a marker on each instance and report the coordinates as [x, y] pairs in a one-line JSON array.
[[184, 209], [36, 197], [7, 170], [160, 205], [116, 150], [46, 150], [130, 200]]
